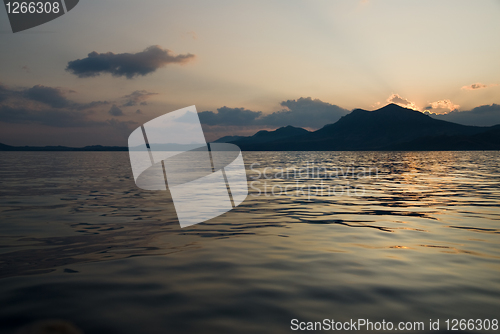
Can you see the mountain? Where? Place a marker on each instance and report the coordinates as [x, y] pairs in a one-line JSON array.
[[265, 136], [228, 139], [389, 128], [488, 140], [4, 147]]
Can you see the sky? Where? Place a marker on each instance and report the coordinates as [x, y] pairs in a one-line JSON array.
[[93, 75]]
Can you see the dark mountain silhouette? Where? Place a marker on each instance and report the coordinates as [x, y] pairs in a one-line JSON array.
[[265, 136], [4, 147], [488, 140], [228, 139], [389, 128]]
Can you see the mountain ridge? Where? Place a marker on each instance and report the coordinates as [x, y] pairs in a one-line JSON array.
[[391, 127]]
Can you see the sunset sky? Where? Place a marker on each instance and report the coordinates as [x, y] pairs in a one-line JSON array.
[[95, 74]]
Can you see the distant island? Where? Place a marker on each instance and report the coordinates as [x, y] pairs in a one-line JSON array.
[[391, 128]]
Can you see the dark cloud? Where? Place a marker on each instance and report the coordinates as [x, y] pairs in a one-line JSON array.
[[123, 127], [58, 118], [115, 111], [48, 96], [485, 115], [137, 97], [90, 105], [305, 112], [138, 111], [229, 116], [48, 106], [52, 97], [4, 93], [50, 117], [129, 65]]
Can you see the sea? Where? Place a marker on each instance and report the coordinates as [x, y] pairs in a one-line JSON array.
[[322, 238]]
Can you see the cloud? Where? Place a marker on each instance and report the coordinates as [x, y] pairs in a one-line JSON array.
[[229, 116], [396, 99], [71, 127], [123, 127], [4, 93], [138, 111], [47, 96], [53, 97], [128, 65], [58, 118], [304, 112], [48, 106], [90, 105], [485, 115], [441, 107], [137, 97], [477, 86], [115, 111], [438, 107], [474, 86], [50, 117]]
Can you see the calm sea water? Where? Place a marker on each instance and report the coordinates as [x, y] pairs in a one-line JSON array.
[[400, 236]]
